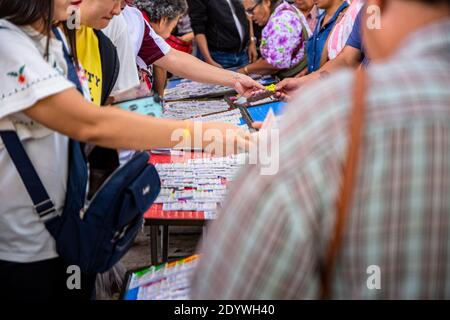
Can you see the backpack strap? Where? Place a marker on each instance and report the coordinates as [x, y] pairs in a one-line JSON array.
[[104, 161], [43, 205], [110, 64], [72, 72], [356, 129]]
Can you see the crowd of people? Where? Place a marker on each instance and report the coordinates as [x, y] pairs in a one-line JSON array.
[[272, 236]]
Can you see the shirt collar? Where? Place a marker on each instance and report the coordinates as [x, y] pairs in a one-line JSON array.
[[433, 38], [335, 16], [313, 13]]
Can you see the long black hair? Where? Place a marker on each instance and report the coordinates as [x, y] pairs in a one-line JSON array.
[[26, 12], [22, 13]]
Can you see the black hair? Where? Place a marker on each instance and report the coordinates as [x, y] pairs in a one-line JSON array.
[[23, 13], [273, 3], [26, 12]]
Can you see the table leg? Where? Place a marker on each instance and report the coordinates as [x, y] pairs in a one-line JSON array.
[[154, 244], [165, 251]]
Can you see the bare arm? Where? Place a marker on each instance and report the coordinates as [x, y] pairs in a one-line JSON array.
[[70, 114], [160, 76], [252, 50], [188, 37], [203, 47], [187, 66], [349, 57], [261, 66]]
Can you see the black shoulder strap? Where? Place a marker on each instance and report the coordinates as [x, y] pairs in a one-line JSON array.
[[103, 161], [72, 72], [43, 205], [110, 64]]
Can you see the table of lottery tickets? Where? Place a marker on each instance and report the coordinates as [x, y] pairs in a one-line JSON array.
[[164, 215], [169, 281]]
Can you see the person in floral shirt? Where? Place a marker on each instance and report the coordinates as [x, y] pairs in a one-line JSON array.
[[283, 37]]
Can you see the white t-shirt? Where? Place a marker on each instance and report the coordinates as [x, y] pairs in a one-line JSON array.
[[136, 26], [117, 31], [26, 77], [140, 31]]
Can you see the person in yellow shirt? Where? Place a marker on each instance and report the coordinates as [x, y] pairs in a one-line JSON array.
[[88, 52], [93, 47]]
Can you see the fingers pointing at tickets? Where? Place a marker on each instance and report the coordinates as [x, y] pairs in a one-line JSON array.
[[257, 125], [225, 139], [244, 85]]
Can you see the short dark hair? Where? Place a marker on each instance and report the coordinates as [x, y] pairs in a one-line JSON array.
[[156, 10]]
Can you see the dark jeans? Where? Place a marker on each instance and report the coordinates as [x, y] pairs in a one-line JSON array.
[[43, 280], [231, 60]]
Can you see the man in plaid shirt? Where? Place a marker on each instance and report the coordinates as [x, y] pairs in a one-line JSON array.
[[274, 230]]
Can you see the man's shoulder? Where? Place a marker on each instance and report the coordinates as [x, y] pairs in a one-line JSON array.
[[318, 111], [324, 94]]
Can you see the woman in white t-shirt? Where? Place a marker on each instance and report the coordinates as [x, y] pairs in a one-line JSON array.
[[45, 109]]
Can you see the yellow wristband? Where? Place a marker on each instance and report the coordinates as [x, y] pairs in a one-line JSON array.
[[186, 131]]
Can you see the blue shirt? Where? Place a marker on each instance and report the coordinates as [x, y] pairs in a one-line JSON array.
[[355, 38], [317, 42]]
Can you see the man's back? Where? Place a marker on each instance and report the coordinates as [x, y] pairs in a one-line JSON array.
[[399, 224], [397, 235]]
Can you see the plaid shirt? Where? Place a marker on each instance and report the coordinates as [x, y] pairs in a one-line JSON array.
[[274, 230]]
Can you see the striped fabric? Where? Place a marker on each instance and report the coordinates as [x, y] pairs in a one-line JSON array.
[[341, 31], [272, 235]]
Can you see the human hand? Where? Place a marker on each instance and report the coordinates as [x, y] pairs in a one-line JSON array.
[[244, 85], [287, 87], [222, 139], [213, 63], [252, 52]]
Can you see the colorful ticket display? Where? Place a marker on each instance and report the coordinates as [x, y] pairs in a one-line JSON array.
[[170, 281], [182, 110], [187, 89], [194, 187], [233, 116], [197, 185]]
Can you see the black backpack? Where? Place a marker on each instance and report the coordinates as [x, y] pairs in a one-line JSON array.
[[103, 161]]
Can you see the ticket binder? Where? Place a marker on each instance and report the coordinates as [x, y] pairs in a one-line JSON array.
[[264, 80], [256, 109], [149, 106], [164, 269]]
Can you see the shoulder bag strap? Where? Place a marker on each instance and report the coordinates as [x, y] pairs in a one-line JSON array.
[[356, 126]]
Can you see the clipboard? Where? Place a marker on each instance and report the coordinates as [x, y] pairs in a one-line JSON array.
[[155, 274], [148, 106], [251, 114]]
